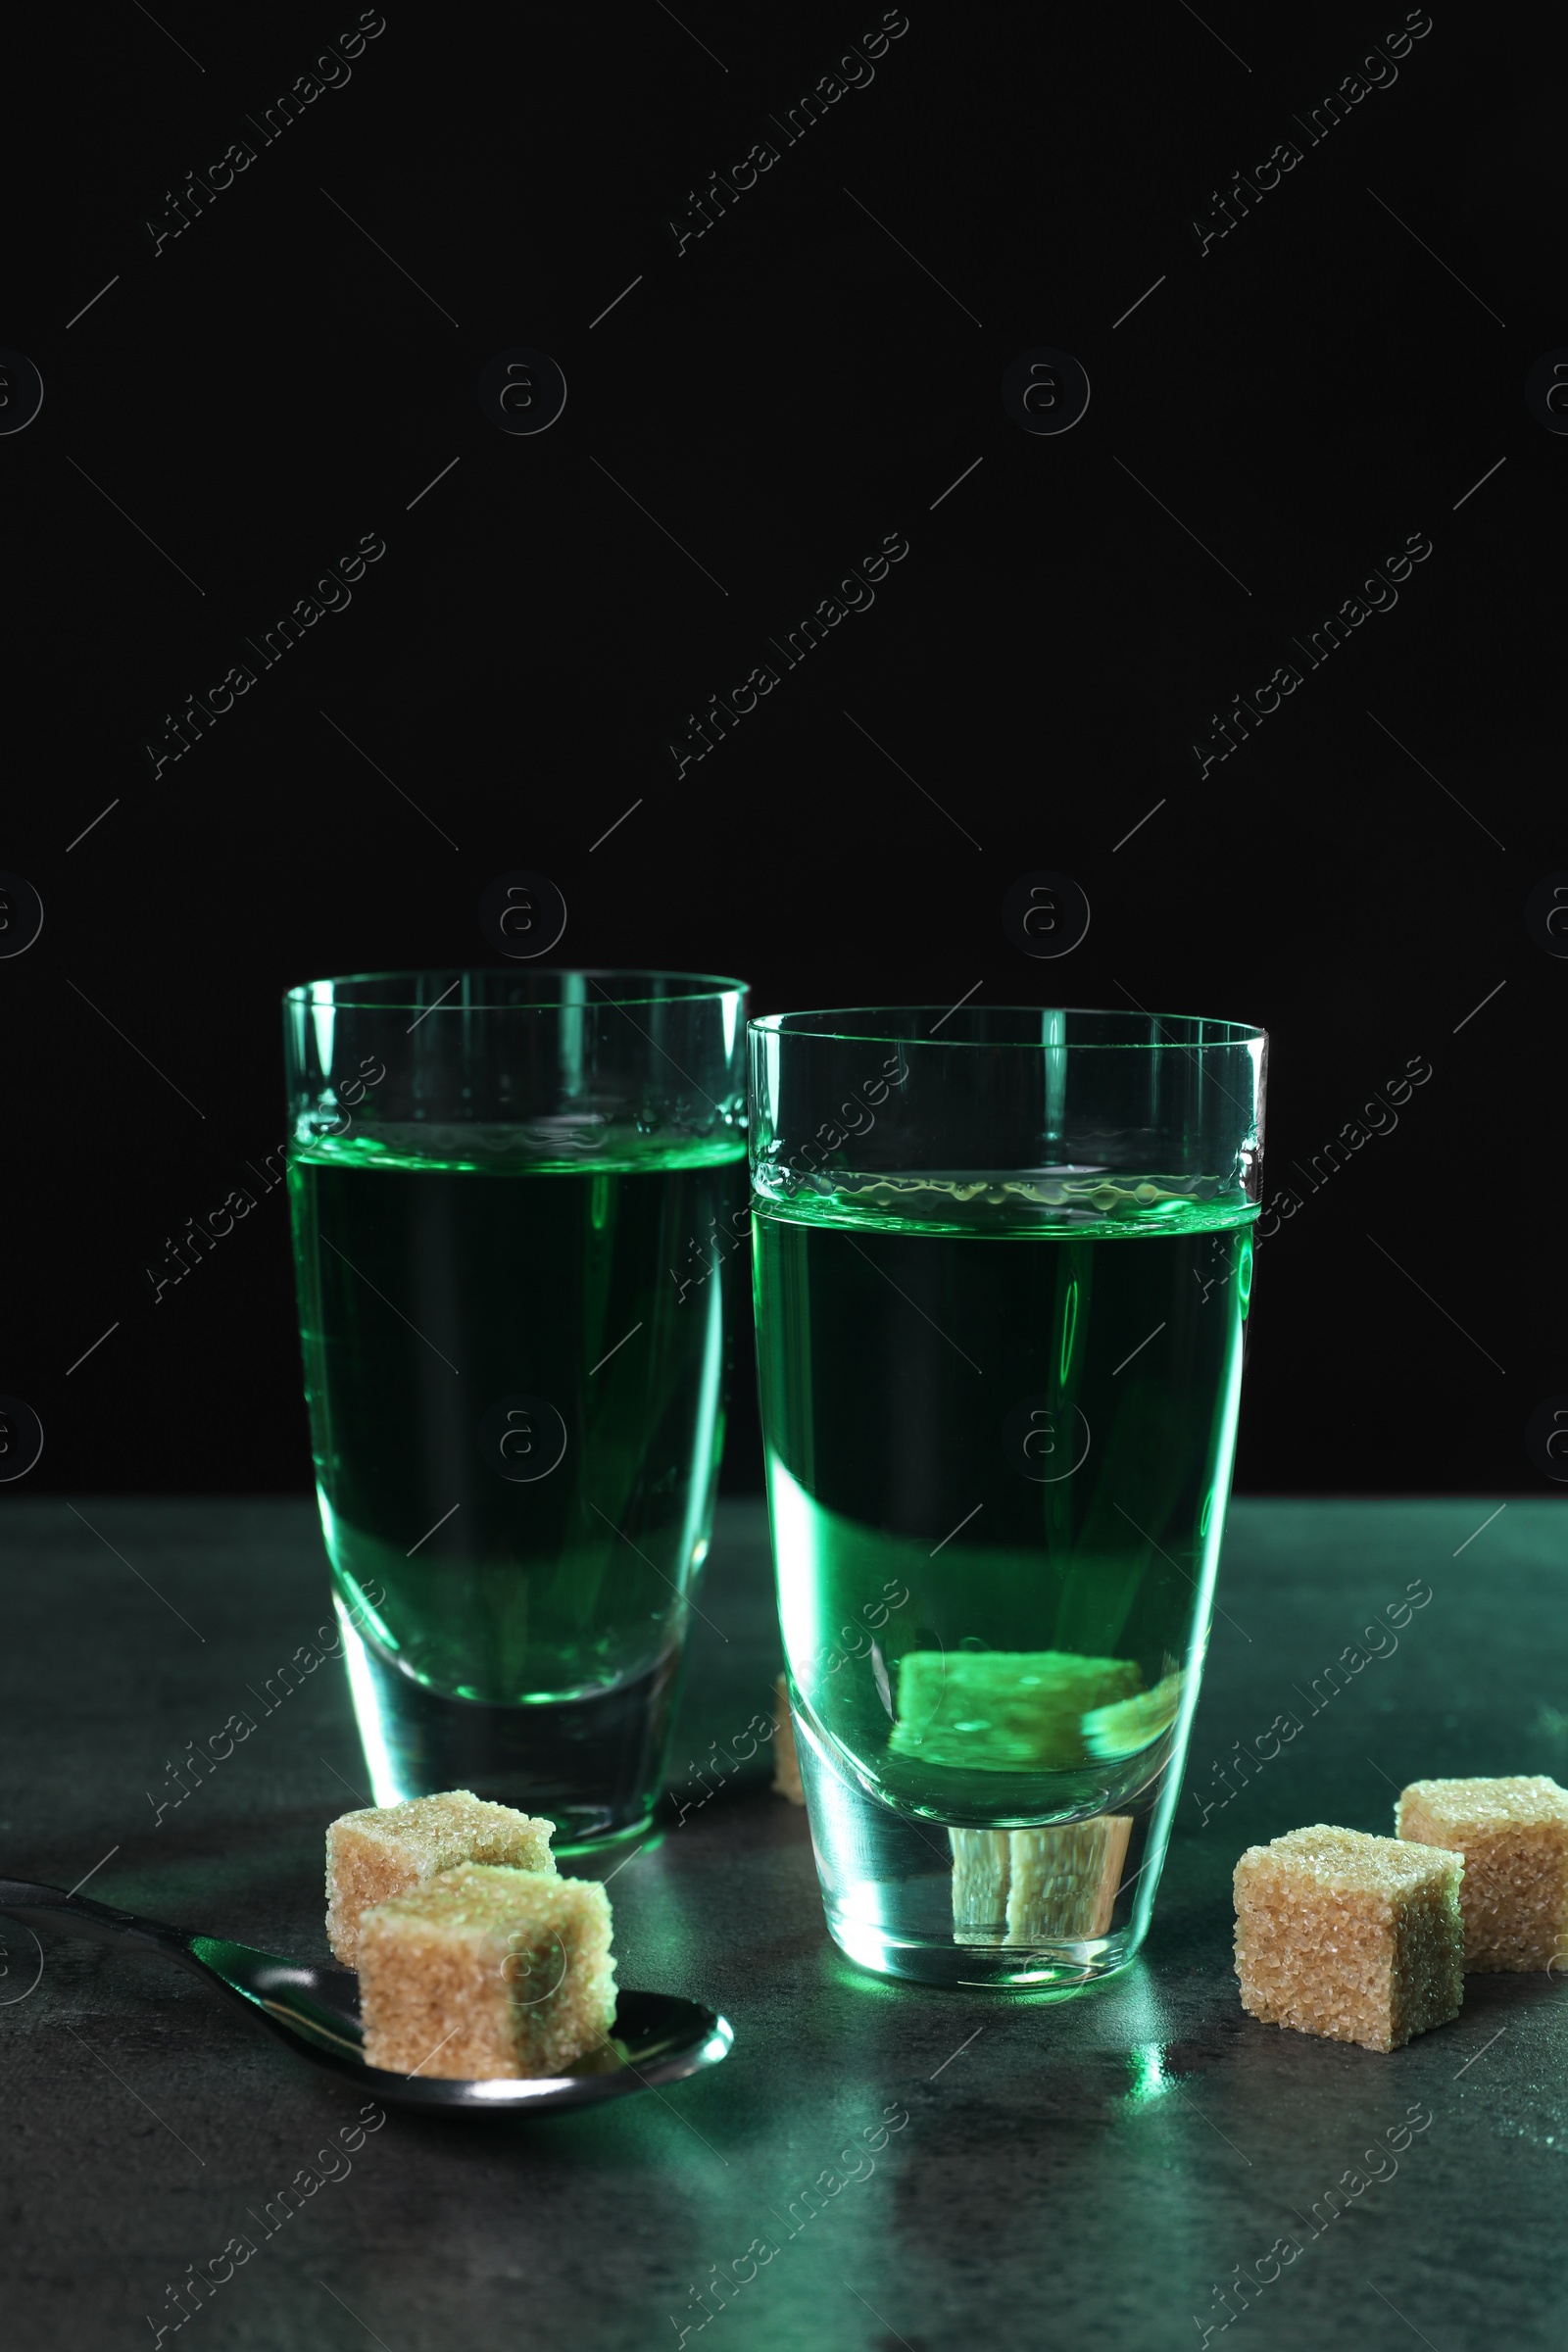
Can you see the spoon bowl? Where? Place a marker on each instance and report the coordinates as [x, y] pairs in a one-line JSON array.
[[656, 2037]]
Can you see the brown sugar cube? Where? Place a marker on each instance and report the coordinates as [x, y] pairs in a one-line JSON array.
[[1005, 1710], [1359, 1938], [1033, 1886], [786, 1764], [1066, 1880], [1513, 1835], [982, 1872], [483, 1973], [386, 1850]]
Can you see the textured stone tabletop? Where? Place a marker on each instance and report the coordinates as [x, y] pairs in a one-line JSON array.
[[982, 2167]]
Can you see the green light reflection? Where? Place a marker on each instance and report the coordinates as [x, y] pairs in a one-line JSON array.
[[1145, 2064]]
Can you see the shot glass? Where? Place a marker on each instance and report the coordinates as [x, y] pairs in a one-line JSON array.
[[1002, 1261], [515, 1199]]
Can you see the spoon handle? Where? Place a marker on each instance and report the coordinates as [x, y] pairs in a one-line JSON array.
[[79, 1915]]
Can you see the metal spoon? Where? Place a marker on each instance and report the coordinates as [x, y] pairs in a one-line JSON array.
[[656, 2037]]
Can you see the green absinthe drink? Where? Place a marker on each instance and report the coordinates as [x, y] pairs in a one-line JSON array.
[[511, 1211], [1003, 1277]]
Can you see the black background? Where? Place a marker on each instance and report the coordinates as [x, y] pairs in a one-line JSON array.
[[782, 394]]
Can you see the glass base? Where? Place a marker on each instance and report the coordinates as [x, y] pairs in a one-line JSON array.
[[1051, 1972], [1049, 1909], [593, 1766]]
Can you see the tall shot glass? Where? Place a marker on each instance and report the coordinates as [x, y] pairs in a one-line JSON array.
[[514, 1197], [1003, 1261]]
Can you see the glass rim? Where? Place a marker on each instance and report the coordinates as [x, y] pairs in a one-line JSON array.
[[700, 988], [793, 1025]]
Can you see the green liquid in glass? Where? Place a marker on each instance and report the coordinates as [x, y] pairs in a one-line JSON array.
[[443, 1272], [1000, 1444]]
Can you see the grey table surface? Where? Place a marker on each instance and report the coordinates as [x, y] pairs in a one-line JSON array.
[[1086, 2172]]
